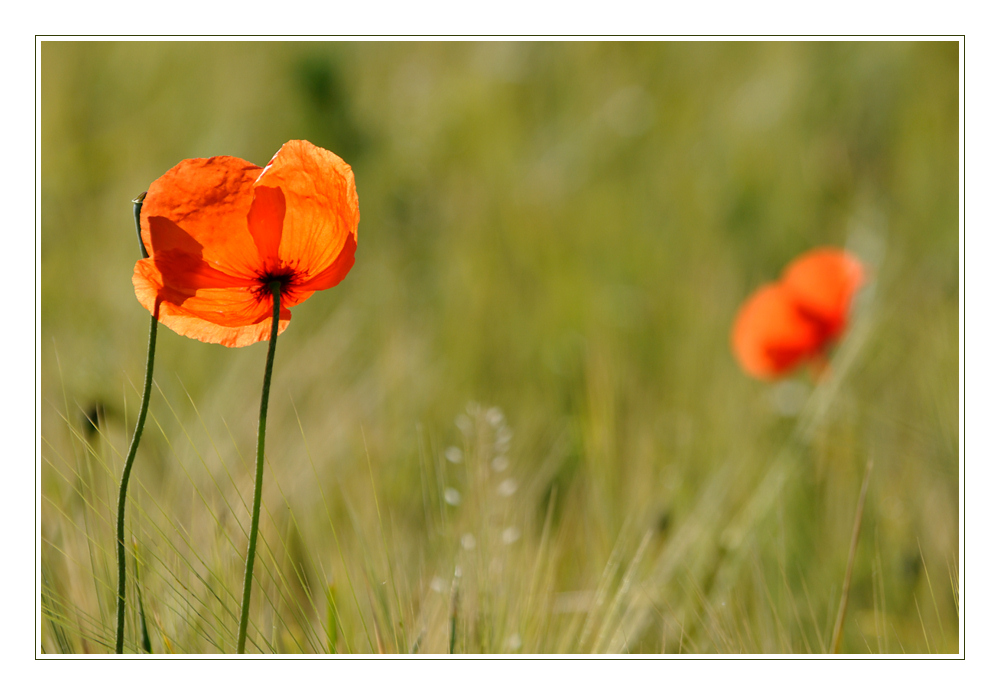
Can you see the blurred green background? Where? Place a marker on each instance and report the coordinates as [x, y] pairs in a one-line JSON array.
[[554, 240]]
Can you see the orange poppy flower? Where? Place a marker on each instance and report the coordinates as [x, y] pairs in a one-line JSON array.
[[784, 324], [219, 230]]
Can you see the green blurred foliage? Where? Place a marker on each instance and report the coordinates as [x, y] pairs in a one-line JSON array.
[[563, 230]]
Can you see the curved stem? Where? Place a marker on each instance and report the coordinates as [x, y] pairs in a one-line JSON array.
[[133, 447], [136, 209], [261, 425]]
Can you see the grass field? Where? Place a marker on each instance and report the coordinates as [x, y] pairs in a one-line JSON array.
[[517, 426]]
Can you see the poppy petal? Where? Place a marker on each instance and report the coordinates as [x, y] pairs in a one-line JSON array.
[[292, 295], [185, 273], [205, 325], [823, 283], [228, 304], [200, 207], [321, 206], [770, 336], [335, 272], [265, 219]]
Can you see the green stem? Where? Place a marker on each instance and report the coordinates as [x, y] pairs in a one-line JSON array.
[[261, 425], [133, 447]]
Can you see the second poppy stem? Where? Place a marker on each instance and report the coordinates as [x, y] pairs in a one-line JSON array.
[[259, 479], [123, 488], [133, 447]]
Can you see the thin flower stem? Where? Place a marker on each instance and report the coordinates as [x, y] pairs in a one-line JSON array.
[[261, 426], [133, 447]]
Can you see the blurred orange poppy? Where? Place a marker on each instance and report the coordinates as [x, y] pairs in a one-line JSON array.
[[219, 230], [792, 321]]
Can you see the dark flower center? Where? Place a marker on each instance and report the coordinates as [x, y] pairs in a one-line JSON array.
[[283, 276]]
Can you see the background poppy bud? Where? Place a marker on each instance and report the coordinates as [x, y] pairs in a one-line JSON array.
[[784, 324], [823, 283]]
